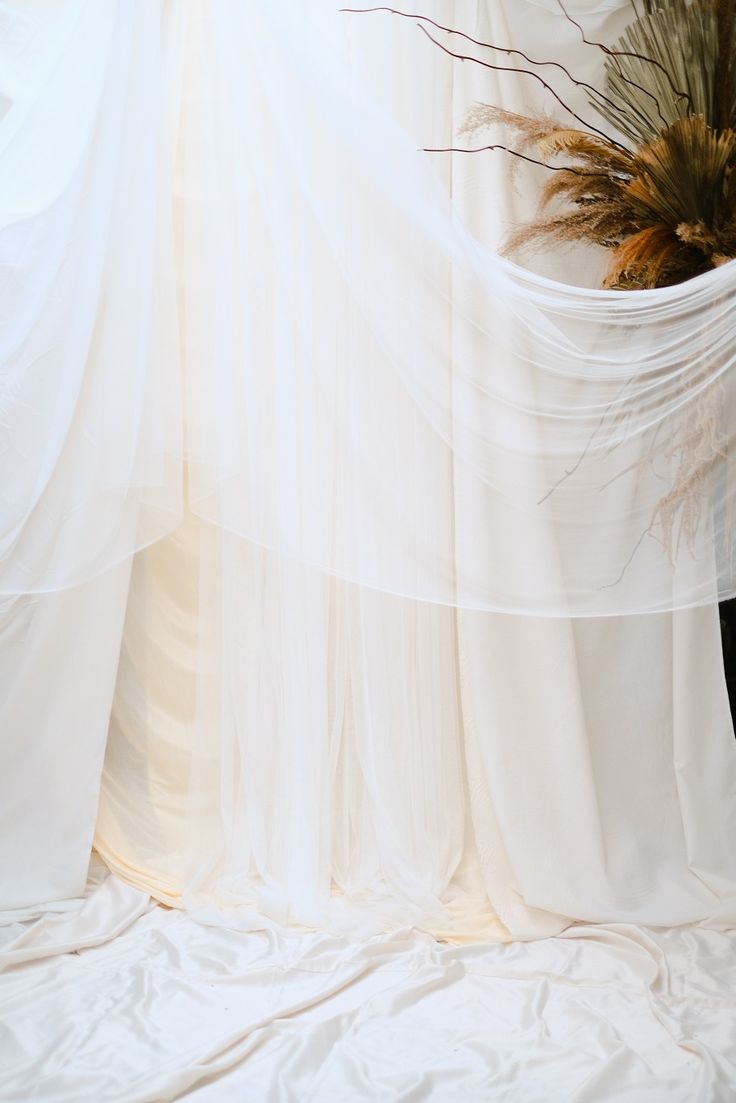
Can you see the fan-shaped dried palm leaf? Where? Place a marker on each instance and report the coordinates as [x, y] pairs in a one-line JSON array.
[[684, 174], [663, 68]]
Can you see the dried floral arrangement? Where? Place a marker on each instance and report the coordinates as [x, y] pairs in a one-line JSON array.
[[663, 198], [660, 195]]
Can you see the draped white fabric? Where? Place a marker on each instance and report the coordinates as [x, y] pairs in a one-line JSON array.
[[423, 392], [303, 749], [168, 1008], [410, 360], [90, 391], [253, 335]]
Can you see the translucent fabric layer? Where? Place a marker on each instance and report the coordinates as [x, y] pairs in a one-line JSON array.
[[90, 394], [378, 395], [288, 747], [367, 388]]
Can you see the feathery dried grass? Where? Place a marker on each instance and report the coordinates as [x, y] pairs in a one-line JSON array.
[[666, 210]]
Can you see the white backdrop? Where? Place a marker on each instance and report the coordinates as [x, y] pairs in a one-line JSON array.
[[281, 740], [287, 748], [316, 752]]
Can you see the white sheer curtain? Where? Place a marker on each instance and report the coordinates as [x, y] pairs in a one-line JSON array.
[[306, 750], [304, 734], [299, 734], [85, 316], [287, 746]]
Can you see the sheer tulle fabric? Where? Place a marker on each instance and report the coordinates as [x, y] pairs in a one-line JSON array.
[[302, 738], [421, 382], [364, 407], [289, 747], [434, 421], [91, 424]]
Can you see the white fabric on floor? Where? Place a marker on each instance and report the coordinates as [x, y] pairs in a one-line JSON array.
[[115, 1000], [286, 748]]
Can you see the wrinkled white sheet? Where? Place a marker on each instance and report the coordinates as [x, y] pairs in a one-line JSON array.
[[111, 998]]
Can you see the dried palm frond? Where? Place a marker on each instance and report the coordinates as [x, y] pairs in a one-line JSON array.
[[681, 38]]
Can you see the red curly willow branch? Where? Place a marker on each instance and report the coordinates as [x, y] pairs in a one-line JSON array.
[[509, 51], [497, 68], [530, 73], [521, 156]]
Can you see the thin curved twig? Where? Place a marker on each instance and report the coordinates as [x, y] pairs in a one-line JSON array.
[[515, 153], [530, 73], [508, 50]]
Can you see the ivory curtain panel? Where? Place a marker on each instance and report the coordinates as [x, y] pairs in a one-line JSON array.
[[438, 812], [336, 704]]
